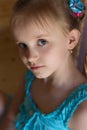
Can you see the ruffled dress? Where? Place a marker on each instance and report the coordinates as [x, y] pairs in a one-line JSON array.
[[31, 118]]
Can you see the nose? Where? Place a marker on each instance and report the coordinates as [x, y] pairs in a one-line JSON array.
[[32, 56]]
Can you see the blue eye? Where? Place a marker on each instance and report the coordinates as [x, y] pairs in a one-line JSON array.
[[42, 42], [22, 45]]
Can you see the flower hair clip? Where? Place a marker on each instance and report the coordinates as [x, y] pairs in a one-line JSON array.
[[77, 7]]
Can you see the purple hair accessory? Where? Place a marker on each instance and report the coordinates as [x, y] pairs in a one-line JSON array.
[[77, 14], [77, 7]]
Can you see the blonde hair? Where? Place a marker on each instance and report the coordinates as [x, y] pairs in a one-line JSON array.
[[38, 11]]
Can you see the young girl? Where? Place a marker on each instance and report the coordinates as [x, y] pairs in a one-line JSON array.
[[47, 33]]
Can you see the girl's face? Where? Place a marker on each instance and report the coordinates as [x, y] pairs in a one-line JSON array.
[[44, 50]]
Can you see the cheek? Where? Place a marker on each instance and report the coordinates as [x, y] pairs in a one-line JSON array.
[[54, 57], [23, 58], [24, 53], [53, 53]]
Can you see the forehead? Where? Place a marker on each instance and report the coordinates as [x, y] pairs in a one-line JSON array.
[[36, 26], [22, 21]]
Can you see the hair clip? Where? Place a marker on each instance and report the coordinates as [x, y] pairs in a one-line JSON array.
[[77, 7]]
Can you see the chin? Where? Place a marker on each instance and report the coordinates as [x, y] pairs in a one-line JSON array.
[[42, 75]]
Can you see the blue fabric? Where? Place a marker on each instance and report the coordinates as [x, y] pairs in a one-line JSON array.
[[31, 118]]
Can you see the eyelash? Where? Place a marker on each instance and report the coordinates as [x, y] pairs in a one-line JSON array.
[[44, 42], [22, 45], [41, 42]]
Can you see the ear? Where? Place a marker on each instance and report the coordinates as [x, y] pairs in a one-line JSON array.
[[74, 36]]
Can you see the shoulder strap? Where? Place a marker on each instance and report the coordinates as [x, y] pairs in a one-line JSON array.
[[28, 79], [73, 101]]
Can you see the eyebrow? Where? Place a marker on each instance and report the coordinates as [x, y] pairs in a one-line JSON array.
[[17, 42], [41, 35]]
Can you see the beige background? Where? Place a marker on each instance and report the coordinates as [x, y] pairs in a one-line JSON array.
[[11, 67]]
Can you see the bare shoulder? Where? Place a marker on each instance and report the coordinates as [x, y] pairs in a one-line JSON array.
[[79, 119]]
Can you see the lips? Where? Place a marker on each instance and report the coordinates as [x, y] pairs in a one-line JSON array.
[[36, 67]]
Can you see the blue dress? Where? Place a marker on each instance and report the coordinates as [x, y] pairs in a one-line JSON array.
[[31, 118]]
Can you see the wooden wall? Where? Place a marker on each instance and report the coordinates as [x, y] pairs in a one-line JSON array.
[[11, 67]]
